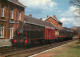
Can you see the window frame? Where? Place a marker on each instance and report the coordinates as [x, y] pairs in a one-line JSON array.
[[12, 32], [1, 31], [2, 11], [11, 14]]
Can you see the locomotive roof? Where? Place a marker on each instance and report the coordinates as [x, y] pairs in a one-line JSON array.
[[31, 20]]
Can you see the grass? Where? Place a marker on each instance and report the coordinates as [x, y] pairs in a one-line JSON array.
[[72, 50]]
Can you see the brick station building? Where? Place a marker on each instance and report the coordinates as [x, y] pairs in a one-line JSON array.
[[11, 12], [55, 22]]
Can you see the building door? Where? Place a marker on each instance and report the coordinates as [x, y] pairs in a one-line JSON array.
[[11, 33]]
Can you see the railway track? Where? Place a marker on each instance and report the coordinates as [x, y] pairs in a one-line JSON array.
[[10, 50], [5, 48], [34, 50]]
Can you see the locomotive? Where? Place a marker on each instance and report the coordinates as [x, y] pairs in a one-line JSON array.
[[34, 31]]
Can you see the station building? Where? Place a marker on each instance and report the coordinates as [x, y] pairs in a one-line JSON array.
[[53, 20], [11, 12]]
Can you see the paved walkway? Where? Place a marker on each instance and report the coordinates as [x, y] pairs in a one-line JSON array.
[[5, 42]]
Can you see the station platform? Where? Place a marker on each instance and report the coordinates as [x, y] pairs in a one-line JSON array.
[[5, 42]]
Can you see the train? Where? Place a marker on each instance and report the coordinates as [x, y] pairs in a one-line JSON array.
[[65, 34], [34, 31]]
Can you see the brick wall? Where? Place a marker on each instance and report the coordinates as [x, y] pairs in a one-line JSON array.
[[6, 19], [54, 21]]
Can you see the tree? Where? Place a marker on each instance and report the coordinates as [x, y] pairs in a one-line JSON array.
[[75, 32], [77, 4], [79, 36]]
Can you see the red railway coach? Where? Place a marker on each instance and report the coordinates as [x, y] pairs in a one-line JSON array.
[[49, 34]]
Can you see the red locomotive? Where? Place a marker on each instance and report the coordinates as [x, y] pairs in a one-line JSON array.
[[37, 31]]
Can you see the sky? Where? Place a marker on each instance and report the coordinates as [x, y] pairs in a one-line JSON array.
[[64, 11]]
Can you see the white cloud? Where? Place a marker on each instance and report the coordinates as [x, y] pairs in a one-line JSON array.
[[70, 12], [39, 4], [69, 17], [73, 9], [70, 21]]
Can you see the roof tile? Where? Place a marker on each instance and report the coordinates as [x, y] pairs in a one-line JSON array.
[[35, 21]]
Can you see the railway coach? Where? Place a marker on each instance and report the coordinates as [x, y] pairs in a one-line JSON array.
[[65, 34], [34, 31]]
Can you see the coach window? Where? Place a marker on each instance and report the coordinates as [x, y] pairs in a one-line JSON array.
[[11, 14], [2, 11], [1, 31]]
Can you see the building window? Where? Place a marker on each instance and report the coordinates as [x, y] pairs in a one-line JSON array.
[[2, 11], [11, 32], [1, 31], [19, 15], [11, 14]]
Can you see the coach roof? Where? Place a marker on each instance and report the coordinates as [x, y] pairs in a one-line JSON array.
[[31, 20]]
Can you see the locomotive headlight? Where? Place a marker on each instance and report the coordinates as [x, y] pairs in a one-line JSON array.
[[25, 41], [18, 33], [14, 41]]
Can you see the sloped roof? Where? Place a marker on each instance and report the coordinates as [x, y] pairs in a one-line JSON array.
[[17, 2], [39, 22], [54, 19]]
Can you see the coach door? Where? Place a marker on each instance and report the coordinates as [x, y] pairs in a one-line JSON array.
[[11, 33]]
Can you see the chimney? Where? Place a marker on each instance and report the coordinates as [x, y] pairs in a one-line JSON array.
[[40, 18], [54, 16], [47, 16], [30, 15]]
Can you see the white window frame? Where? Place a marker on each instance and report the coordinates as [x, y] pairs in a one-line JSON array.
[[19, 15], [2, 11], [11, 32], [11, 14], [2, 31]]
